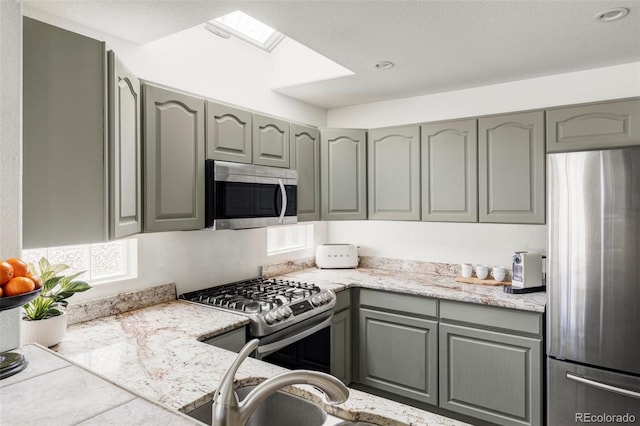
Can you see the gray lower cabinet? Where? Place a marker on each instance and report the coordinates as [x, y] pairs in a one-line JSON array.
[[305, 158], [398, 350], [125, 151], [228, 133], [270, 141], [343, 174], [491, 363], [393, 169], [450, 171], [340, 363], [511, 168], [594, 126], [173, 159], [64, 138]]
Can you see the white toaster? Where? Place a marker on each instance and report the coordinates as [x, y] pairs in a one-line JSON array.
[[330, 256]]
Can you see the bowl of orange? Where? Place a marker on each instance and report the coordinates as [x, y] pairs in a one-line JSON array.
[[17, 284]]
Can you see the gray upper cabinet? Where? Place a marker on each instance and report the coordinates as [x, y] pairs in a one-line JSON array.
[[594, 126], [393, 168], [343, 174], [305, 158], [174, 160], [64, 138], [450, 171], [511, 169], [228, 133], [270, 141], [125, 151]]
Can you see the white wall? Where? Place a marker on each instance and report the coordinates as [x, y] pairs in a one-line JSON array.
[[598, 84], [485, 243], [492, 244], [199, 259], [10, 153]]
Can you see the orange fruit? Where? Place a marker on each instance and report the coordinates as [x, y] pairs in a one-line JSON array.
[[18, 285], [20, 267], [0, 291], [36, 279], [6, 272]]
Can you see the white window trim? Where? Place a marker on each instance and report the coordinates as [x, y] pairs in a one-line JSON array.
[[128, 248], [304, 238]]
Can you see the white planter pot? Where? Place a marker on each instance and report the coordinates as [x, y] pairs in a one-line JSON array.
[[47, 332]]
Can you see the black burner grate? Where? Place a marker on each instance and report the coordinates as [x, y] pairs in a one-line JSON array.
[[254, 295]]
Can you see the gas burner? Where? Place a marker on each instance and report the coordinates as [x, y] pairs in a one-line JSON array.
[[271, 304]]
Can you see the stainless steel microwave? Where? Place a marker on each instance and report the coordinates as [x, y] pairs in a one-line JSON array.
[[239, 196]]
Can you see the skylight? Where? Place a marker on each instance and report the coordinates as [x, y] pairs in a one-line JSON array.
[[247, 28]]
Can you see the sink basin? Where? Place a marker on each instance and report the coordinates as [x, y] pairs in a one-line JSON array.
[[279, 409]]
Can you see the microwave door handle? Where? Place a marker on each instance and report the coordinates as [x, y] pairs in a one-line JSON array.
[[283, 209], [603, 386]]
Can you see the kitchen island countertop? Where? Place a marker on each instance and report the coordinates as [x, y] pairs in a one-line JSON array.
[[158, 352], [54, 391]]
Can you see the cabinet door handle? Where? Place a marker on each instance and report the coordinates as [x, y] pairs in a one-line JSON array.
[[603, 386], [283, 209]]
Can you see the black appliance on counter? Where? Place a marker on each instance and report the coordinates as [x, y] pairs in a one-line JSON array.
[[291, 319]]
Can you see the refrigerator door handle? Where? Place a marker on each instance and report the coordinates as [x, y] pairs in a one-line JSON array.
[[603, 386]]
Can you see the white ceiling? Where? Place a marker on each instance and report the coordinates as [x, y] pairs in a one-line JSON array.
[[436, 45]]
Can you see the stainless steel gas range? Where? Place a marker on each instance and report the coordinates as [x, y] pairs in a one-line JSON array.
[[281, 312]]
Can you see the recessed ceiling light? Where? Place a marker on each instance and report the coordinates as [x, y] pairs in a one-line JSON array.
[[384, 65], [611, 15]]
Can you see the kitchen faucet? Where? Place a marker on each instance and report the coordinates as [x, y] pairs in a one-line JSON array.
[[228, 411]]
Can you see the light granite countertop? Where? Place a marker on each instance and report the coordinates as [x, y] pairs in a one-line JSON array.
[[157, 352], [422, 284], [53, 391]]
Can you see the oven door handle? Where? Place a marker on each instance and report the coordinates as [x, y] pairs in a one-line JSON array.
[[283, 209], [265, 350]]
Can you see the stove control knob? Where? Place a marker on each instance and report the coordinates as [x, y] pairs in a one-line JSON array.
[[287, 311], [326, 297], [270, 318], [315, 301], [279, 314]]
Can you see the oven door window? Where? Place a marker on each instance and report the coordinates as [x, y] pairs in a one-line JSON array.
[[310, 353]]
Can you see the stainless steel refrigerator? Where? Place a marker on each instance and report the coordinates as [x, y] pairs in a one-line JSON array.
[[593, 288]]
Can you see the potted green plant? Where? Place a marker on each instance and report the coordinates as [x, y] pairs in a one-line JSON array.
[[44, 319]]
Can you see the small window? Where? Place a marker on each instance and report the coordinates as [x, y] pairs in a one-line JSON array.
[[246, 28], [104, 262], [283, 239]]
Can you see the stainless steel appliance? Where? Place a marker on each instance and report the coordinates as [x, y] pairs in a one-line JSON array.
[[281, 315], [593, 287], [526, 269], [241, 196]]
